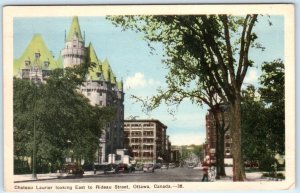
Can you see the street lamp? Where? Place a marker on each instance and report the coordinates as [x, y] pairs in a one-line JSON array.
[[34, 176], [35, 79]]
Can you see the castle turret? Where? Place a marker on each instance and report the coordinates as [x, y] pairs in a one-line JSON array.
[[74, 52]]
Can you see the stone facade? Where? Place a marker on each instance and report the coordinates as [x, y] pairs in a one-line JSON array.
[[101, 86]]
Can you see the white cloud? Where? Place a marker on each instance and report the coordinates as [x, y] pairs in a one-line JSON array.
[[138, 80], [251, 77], [187, 139]]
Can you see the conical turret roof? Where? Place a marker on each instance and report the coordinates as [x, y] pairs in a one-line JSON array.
[[74, 28], [93, 59], [108, 73], [120, 85], [36, 45]]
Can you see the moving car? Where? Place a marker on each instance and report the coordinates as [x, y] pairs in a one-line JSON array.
[[148, 168], [111, 169]]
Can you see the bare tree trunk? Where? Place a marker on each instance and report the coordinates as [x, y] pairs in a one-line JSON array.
[[235, 125], [217, 153], [221, 148], [217, 147]]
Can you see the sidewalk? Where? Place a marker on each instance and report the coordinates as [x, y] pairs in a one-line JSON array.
[[250, 177], [49, 176]]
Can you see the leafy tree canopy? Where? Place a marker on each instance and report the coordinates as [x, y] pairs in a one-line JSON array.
[[65, 120]]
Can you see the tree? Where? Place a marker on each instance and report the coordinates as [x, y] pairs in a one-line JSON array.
[[203, 53], [254, 132], [273, 96], [66, 123], [198, 150], [264, 135]]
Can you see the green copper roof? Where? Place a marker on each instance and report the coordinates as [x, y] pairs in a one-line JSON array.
[[59, 61], [108, 73], [120, 85], [75, 27], [92, 58], [36, 45]]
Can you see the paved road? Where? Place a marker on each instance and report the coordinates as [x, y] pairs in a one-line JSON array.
[[170, 175]]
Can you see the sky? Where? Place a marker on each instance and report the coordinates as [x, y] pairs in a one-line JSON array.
[[142, 72]]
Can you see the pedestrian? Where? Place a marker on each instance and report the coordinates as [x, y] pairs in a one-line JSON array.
[[205, 166]]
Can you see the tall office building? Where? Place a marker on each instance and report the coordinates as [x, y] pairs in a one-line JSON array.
[[146, 139]]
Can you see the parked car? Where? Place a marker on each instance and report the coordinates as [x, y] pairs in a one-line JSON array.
[[148, 168], [157, 165], [125, 168], [138, 167], [172, 165], [190, 165], [164, 166], [111, 169], [122, 168], [71, 170]]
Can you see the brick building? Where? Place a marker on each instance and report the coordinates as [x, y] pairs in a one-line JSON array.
[[146, 140], [211, 138]]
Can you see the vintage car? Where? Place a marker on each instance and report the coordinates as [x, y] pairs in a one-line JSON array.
[[148, 167], [71, 170], [111, 169]]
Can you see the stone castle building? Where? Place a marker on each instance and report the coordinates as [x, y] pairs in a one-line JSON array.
[[101, 86]]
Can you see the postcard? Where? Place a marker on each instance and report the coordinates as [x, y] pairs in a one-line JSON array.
[[149, 97]]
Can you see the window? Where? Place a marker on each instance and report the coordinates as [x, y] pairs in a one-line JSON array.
[[46, 63], [27, 63]]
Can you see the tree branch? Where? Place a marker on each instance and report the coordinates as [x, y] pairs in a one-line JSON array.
[[248, 43], [224, 20]]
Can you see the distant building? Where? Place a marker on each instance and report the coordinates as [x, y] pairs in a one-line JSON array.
[[167, 155], [101, 86], [175, 154], [211, 138], [146, 139]]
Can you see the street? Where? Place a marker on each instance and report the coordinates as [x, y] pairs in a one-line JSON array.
[[170, 175]]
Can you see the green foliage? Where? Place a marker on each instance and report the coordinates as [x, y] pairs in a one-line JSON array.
[[200, 52], [266, 162], [273, 95], [207, 58], [66, 123], [272, 175], [263, 129], [198, 151]]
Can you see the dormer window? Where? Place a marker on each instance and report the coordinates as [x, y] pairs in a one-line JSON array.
[[37, 55], [46, 63], [75, 43], [27, 63]]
